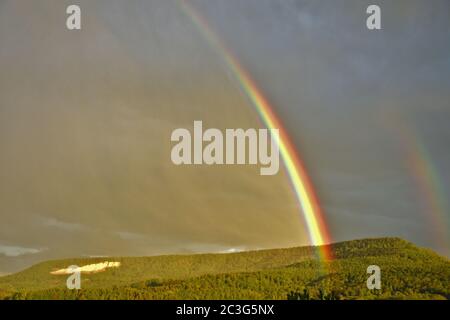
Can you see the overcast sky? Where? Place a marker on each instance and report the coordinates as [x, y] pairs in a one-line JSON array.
[[86, 118]]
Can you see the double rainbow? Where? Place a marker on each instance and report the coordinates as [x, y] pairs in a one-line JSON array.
[[296, 170]]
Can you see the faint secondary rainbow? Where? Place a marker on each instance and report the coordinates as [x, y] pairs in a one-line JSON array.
[[300, 181], [428, 184]]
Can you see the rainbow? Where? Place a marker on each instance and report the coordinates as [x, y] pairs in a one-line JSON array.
[[425, 174], [302, 186]]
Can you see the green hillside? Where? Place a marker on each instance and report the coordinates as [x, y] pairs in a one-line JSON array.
[[407, 272]]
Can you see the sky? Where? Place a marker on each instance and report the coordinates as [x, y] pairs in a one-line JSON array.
[[86, 118]]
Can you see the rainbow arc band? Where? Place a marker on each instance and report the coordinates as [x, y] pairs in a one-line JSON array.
[[303, 189]]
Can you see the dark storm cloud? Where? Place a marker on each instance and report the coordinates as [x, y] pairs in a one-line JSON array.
[[343, 90]]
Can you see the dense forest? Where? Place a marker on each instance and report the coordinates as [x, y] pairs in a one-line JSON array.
[[407, 272]]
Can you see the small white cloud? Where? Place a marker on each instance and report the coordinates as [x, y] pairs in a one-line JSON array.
[[213, 248], [68, 226], [15, 251]]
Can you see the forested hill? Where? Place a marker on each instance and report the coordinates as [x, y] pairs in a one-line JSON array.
[[295, 273]]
